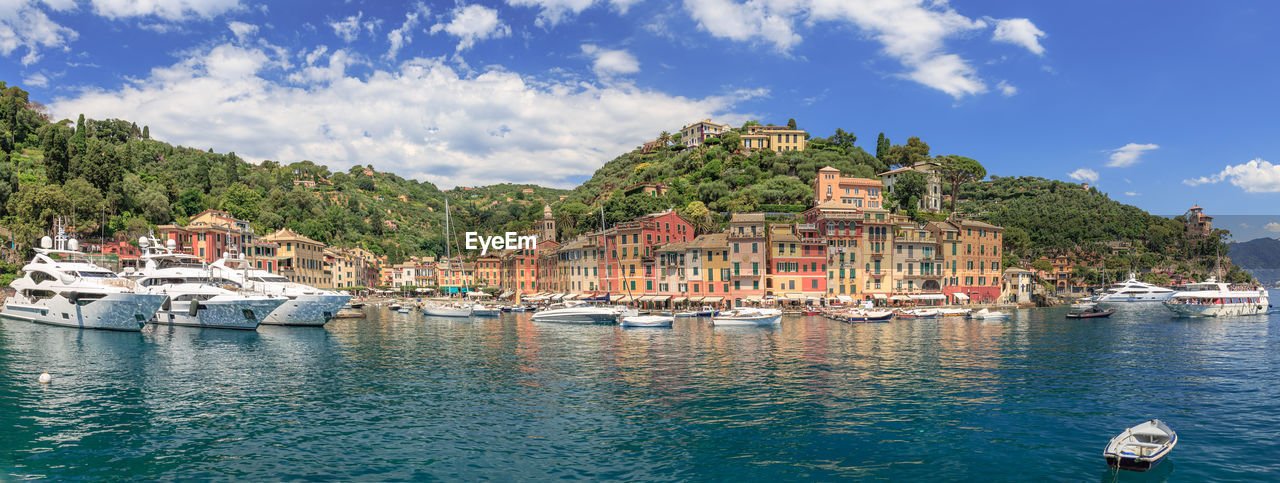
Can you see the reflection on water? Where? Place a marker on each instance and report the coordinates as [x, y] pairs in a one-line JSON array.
[[404, 396]]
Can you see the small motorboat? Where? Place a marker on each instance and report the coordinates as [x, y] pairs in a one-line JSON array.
[[953, 312], [403, 310], [748, 316], [1090, 313], [1141, 447], [869, 316], [356, 305], [919, 314], [395, 307], [481, 310], [684, 314], [707, 311], [985, 314], [810, 311], [648, 321]]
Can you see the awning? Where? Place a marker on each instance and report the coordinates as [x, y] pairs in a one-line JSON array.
[[477, 294], [659, 298], [558, 296], [506, 294], [679, 299], [624, 299], [960, 296], [879, 296], [572, 296], [754, 298], [845, 298], [899, 298], [792, 296], [928, 296], [710, 299]]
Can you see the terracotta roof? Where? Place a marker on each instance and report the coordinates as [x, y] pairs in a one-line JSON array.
[[710, 240], [746, 217]]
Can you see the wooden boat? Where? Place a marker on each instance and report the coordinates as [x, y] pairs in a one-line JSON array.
[[869, 316], [648, 321], [953, 312], [1091, 313], [810, 311], [1141, 447]]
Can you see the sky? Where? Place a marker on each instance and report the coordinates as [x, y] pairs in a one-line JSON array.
[[1159, 104]]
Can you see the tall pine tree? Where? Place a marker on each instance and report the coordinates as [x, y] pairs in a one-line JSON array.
[[78, 141], [882, 147]]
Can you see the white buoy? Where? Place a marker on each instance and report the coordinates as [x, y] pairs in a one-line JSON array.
[[45, 378]]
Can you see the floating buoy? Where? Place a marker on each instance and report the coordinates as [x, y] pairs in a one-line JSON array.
[[45, 378]]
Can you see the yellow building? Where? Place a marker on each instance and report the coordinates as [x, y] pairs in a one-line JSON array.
[[778, 138], [716, 269], [301, 258]]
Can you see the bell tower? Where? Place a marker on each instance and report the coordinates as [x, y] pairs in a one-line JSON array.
[[547, 226]]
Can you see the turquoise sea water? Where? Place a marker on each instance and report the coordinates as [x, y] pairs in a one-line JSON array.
[[398, 396]]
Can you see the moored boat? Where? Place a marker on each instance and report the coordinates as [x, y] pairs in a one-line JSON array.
[[1132, 290], [985, 314], [684, 314], [305, 305], [447, 310], [748, 316], [1141, 447], [59, 286], [647, 321], [869, 316], [707, 311], [918, 314], [481, 310], [957, 312], [579, 313], [196, 297]]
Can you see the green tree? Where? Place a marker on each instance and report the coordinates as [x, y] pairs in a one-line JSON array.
[[842, 140], [699, 216], [55, 141], [911, 185], [664, 138], [79, 137], [86, 204], [241, 202], [882, 147], [957, 170], [791, 123], [910, 154], [154, 203], [146, 132]]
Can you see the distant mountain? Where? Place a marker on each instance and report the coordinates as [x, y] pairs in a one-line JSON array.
[[1260, 253]]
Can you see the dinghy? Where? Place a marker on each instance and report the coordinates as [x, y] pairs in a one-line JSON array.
[[1141, 447], [953, 312], [1091, 313], [985, 314]]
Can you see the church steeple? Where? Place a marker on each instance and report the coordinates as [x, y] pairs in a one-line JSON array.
[[547, 227]]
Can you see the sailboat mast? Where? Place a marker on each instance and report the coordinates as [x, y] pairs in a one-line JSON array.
[[446, 228]]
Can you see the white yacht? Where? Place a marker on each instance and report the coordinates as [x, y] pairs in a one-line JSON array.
[[61, 287], [445, 309], [196, 297], [306, 305], [1132, 290], [580, 313], [1212, 298], [750, 316]]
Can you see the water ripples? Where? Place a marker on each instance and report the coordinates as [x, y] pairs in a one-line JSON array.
[[405, 397]]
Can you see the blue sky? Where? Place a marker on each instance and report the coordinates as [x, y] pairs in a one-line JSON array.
[[1160, 104]]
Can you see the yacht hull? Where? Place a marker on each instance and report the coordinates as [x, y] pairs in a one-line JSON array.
[[307, 310], [1216, 310], [575, 318], [233, 314], [758, 321], [456, 312], [122, 311]]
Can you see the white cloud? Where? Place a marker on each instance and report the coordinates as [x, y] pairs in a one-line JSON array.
[[1128, 155], [401, 37], [24, 24], [1006, 89], [609, 63], [1130, 193], [555, 11], [165, 9], [1019, 31], [1084, 174], [1272, 227], [422, 119], [473, 23], [911, 32], [348, 29], [242, 29], [1255, 176], [37, 79]]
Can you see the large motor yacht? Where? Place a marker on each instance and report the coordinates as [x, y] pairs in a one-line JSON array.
[[581, 313], [196, 297], [1132, 290], [305, 305], [62, 287], [1212, 298]]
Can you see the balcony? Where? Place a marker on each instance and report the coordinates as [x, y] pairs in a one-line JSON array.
[[807, 226]]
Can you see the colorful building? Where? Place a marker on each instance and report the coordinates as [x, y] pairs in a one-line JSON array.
[[860, 193], [748, 257], [301, 259], [780, 139], [694, 134]]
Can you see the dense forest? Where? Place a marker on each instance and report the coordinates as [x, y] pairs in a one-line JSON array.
[[109, 177], [112, 179]]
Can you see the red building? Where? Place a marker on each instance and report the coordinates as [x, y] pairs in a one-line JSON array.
[[636, 243], [839, 226]]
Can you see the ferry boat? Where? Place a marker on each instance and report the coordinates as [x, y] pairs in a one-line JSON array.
[[305, 305], [62, 287], [1212, 298], [1132, 290], [196, 297]]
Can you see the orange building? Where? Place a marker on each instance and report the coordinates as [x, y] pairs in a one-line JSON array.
[[861, 193]]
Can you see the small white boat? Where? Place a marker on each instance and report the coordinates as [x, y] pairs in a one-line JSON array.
[[481, 310], [707, 311], [919, 314], [1141, 447], [446, 310], [748, 316], [403, 310], [954, 312], [985, 314], [648, 321]]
